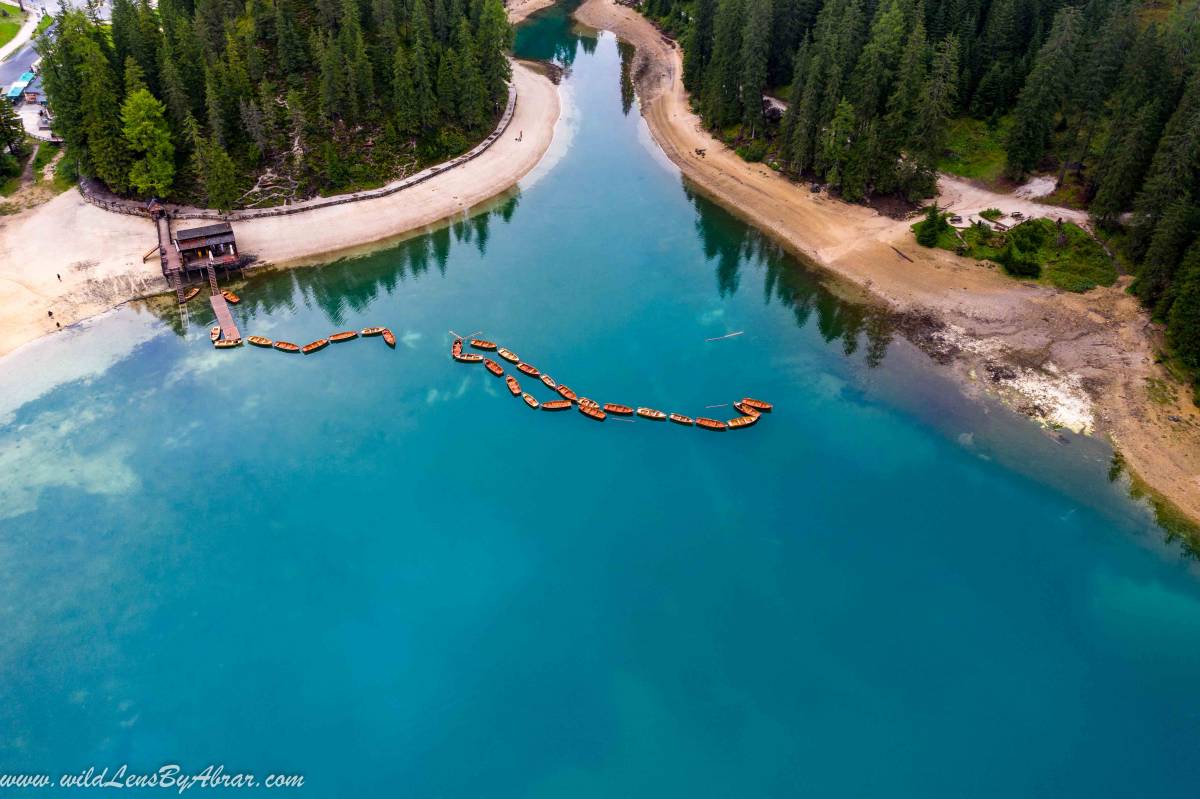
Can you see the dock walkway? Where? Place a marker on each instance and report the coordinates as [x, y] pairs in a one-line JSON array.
[[229, 329]]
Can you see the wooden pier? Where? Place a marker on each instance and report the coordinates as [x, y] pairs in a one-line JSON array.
[[229, 329]]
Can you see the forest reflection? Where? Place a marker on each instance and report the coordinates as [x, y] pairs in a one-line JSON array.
[[734, 245]]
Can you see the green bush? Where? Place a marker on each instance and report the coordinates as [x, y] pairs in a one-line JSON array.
[[753, 151], [991, 214], [1018, 261], [931, 227]]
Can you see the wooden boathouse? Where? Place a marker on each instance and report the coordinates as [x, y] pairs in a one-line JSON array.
[[199, 247]]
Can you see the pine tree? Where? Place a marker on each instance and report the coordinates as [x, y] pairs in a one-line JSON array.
[[469, 88], [722, 95], [698, 50], [106, 151], [756, 43], [1183, 324], [1044, 92], [936, 105], [408, 117], [148, 135], [447, 85], [424, 99], [219, 177], [874, 73], [493, 40], [12, 132]]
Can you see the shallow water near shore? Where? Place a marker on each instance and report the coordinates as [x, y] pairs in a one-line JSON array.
[[377, 569]]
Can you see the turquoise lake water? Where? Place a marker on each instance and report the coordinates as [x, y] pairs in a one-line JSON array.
[[377, 569]]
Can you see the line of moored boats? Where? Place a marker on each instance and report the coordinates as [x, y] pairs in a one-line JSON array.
[[749, 408], [389, 338]]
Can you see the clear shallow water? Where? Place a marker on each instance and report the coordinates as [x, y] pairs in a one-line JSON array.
[[379, 570]]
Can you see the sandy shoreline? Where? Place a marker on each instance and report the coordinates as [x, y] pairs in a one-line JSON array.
[[518, 10], [73, 260], [1079, 361]]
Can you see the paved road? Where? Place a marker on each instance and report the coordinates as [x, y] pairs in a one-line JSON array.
[[17, 63]]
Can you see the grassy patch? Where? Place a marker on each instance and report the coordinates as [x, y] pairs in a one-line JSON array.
[[45, 154], [1066, 257], [1161, 392], [991, 214], [975, 149], [45, 22], [10, 22]]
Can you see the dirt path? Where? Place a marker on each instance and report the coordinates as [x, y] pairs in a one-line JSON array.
[[1080, 361]]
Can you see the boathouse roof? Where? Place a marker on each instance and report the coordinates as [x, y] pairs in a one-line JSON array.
[[206, 232]]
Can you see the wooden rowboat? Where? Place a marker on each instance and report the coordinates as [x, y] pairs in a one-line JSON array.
[[345, 335], [566, 393], [480, 344], [372, 331], [214, 332], [389, 338], [549, 381], [742, 421], [319, 344], [651, 414], [259, 341], [513, 385], [530, 400], [230, 297], [191, 293], [286, 346], [527, 369], [593, 413], [227, 343], [493, 367], [584, 402], [556, 405], [679, 418], [746, 410], [758, 405], [711, 424], [508, 355], [619, 410], [456, 347], [469, 357]]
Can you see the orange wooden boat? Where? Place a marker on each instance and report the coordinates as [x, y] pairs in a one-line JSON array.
[[469, 357], [530, 400], [480, 344], [742, 421], [389, 338], [230, 297], [372, 331], [566, 393], [711, 424], [619, 410], [507, 355], [345, 335], [584, 402], [227, 343], [191, 293], [286, 346], [679, 418], [319, 344], [549, 381], [456, 347], [758, 405], [593, 413], [527, 369], [651, 414], [493, 367], [746, 410], [259, 341], [513, 385], [556, 405], [214, 332]]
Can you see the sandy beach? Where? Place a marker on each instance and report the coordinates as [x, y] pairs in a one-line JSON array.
[[1080, 361], [66, 260], [518, 10]]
